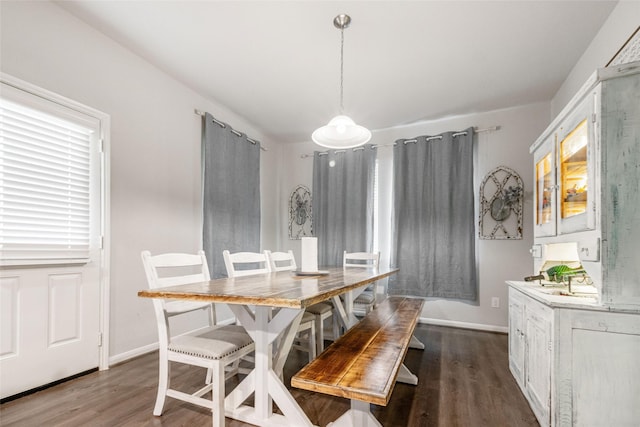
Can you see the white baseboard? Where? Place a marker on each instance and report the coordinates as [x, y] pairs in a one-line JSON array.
[[464, 325], [454, 324], [123, 357]]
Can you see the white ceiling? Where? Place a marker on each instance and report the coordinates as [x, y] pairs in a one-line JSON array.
[[277, 62]]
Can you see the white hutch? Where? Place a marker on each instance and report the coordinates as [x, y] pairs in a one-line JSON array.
[[574, 354]]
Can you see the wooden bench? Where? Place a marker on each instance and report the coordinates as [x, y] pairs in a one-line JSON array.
[[363, 364]]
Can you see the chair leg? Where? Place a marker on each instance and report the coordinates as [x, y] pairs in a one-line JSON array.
[[312, 342], [319, 333], [337, 330], [209, 376], [217, 394], [163, 383], [233, 369]]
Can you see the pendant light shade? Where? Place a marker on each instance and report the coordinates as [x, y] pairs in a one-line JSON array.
[[341, 131]]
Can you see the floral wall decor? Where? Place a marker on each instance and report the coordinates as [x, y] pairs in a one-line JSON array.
[[501, 194], [300, 221]]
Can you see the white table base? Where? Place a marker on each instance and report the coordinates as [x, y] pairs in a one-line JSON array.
[[264, 380]]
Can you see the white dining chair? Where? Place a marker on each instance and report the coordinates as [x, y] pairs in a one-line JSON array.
[[367, 300], [315, 314], [214, 347]]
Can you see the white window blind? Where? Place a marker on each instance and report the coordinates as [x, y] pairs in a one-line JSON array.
[[44, 187]]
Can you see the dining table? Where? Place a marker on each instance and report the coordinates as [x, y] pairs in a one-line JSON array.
[[270, 307]]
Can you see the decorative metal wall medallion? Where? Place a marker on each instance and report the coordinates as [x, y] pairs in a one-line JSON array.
[[300, 221], [501, 204]]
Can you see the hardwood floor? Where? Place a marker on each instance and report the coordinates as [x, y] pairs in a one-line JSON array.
[[464, 380]]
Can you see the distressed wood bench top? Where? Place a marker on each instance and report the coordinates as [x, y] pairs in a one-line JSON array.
[[363, 363]]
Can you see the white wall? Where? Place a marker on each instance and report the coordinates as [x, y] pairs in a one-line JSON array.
[[616, 30], [155, 146], [498, 260]]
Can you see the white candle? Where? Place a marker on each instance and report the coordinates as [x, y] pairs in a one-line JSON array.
[[309, 254]]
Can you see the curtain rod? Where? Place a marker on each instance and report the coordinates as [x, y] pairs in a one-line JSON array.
[[221, 124], [430, 138]]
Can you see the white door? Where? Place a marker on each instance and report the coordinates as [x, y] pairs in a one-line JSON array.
[[516, 337], [538, 364], [50, 240]]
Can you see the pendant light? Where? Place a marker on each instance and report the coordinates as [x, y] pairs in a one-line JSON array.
[[341, 131]]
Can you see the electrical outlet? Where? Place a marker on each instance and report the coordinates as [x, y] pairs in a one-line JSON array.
[[495, 302], [536, 251]]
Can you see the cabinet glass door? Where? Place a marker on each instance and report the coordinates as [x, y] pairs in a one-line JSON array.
[[577, 149], [573, 174], [545, 189]]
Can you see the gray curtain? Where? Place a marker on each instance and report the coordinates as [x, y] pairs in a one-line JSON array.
[[433, 237], [343, 202], [231, 217]]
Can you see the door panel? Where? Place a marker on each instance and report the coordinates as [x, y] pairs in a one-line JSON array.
[[516, 340], [538, 376], [65, 294], [9, 316], [50, 324]]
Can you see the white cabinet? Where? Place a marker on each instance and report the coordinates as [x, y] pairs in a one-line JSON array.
[[598, 382], [576, 363], [587, 183], [530, 350]]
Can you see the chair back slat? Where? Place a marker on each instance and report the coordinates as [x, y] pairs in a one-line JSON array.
[[281, 261], [361, 259], [168, 270], [177, 260], [245, 263]]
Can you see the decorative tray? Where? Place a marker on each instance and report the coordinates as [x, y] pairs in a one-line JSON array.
[[311, 273]]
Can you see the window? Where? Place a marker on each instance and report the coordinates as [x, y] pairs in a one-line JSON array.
[[47, 189]]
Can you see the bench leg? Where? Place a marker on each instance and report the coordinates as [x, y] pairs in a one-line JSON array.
[[415, 343], [358, 416], [406, 376]]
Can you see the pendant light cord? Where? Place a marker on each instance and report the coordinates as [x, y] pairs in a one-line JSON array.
[[341, 70]]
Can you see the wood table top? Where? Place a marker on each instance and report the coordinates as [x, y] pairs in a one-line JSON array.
[[279, 289]]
